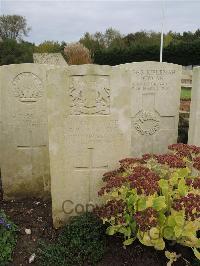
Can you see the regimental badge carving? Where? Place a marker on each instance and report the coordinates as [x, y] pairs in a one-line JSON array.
[[27, 87], [146, 122], [89, 97]]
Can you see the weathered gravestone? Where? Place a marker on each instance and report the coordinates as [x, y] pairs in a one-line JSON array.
[[89, 131], [24, 146], [49, 58], [194, 123], [155, 101], [186, 78]]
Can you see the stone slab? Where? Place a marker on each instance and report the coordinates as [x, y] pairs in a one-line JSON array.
[[186, 79], [194, 122], [49, 58], [89, 131], [24, 152], [155, 101]]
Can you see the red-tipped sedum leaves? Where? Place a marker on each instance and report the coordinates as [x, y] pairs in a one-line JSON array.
[[144, 180], [146, 219], [154, 198], [190, 204]]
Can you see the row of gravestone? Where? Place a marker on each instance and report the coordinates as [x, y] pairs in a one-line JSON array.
[[58, 59], [74, 123]]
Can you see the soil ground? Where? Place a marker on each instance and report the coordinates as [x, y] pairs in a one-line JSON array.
[[35, 214], [29, 214]]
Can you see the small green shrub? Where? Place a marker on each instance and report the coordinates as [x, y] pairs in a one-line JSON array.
[[196, 262], [155, 198], [83, 240], [7, 238], [52, 254]]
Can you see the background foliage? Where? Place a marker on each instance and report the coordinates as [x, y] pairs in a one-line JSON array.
[[106, 48], [13, 27], [77, 54], [12, 52]]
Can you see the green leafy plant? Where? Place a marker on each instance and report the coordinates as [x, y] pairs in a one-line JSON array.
[[7, 238], [172, 257], [81, 241], [196, 262], [155, 198]]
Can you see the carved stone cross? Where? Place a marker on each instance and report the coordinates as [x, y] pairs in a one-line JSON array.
[[30, 145], [90, 169]]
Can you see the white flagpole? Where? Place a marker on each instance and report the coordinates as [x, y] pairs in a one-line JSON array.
[[162, 33]]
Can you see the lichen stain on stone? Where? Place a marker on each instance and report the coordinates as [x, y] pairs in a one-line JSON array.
[[23, 190]]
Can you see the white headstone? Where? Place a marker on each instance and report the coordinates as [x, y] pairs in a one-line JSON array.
[[155, 101], [24, 151], [186, 79], [89, 131], [194, 123], [49, 58]]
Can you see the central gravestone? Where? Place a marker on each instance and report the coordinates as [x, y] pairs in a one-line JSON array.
[[155, 101], [89, 131]]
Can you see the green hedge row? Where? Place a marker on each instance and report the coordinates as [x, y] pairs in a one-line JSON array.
[[183, 53]]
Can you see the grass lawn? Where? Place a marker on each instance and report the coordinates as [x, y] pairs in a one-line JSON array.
[[185, 93]]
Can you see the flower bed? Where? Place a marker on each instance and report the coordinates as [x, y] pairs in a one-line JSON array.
[[7, 238], [155, 198]]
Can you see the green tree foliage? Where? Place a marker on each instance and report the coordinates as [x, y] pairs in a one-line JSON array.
[[13, 27], [110, 38], [12, 52], [91, 42], [48, 47], [183, 53], [113, 48], [115, 56], [141, 38]]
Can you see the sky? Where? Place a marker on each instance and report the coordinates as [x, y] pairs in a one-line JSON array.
[[69, 20]]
